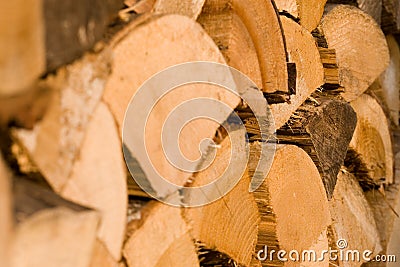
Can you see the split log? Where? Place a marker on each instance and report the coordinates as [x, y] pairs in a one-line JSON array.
[[98, 178], [22, 45], [50, 231], [390, 81], [170, 33], [304, 53], [308, 12], [6, 217], [164, 235], [371, 7], [231, 36], [101, 257], [323, 127], [385, 206], [362, 55], [262, 23], [370, 156], [228, 225], [352, 219], [294, 211], [390, 16]]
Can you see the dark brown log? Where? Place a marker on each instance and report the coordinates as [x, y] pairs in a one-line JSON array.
[[323, 127], [390, 21]]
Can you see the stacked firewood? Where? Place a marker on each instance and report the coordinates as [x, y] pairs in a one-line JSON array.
[[329, 74]]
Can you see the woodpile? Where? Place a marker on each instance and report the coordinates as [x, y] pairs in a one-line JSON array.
[[302, 154]]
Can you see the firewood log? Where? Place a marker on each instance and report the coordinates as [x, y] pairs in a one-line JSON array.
[[22, 45], [164, 235], [303, 51], [371, 7], [352, 219], [308, 12], [294, 211], [262, 23], [362, 55], [50, 231], [191, 9], [390, 16], [101, 257], [370, 155]]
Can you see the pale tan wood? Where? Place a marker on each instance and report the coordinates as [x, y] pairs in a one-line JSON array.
[[229, 32], [228, 225], [22, 45], [54, 144], [371, 140], [98, 178], [303, 51], [191, 9], [309, 12], [294, 211], [390, 80], [352, 218], [101, 257], [361, 49], [167, 33], [160, 232], [6, 216]]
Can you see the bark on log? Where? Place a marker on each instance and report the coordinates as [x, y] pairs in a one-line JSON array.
[[362, 55], [390, 16], [352, 219], [370, 156], [308, 12], [294, 211], [262, 22], [303, 51], [22, 45], [50, 231], [164, 235]]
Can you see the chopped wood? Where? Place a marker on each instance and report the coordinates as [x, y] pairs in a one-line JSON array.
[[390, 16], [352, 218], [191, 9], [101, 257], [371, 7], [370, 156], [22, 45], [98, 178], [361, 49], [6, 216], [308, 12], [50, 231], [164, 235], [294, 211], [303, 51]]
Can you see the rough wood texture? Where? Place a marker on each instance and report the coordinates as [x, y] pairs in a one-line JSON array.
[[303, 51], [324, 130], [98, 178], [191, 9], [50, 231], [228, 225], [164, 235], [361, 49], [390, 81], [22, 45], [308, 12], [371, 7], [294, 211], [167, 33], [390, 16], [370, 156], [54, 144], [231, 36], [352, 218], [6, 216]]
